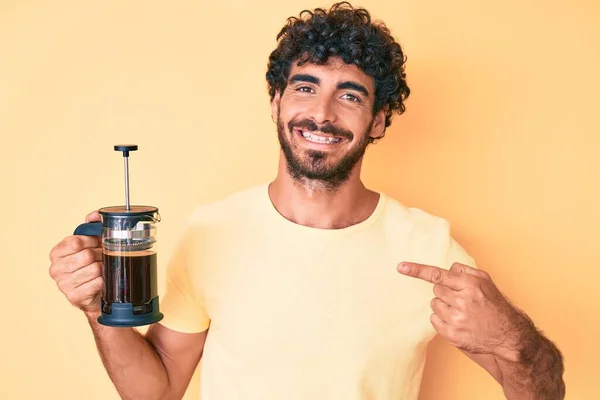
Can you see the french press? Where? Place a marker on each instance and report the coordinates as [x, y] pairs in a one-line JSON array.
[[128, 234]]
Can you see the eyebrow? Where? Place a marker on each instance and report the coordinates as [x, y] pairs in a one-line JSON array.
[[344, 85], [305, 78], [354, 86]]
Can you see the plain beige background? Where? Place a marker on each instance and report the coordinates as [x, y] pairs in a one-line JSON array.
[[501, 137]]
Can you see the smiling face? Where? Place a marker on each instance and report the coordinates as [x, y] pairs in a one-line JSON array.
[[325, 120]]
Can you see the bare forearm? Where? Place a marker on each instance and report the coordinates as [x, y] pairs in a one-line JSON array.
[[536, 372], [131, 362]]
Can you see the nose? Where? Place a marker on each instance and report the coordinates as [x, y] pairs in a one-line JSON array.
[[322, 110]]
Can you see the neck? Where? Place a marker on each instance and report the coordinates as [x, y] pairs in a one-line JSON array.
[[315, 204]]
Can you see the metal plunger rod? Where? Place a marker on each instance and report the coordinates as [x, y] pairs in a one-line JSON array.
[[126, 148], [127, 207]]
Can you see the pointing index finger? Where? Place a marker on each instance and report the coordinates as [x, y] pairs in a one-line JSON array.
[[428, 273]]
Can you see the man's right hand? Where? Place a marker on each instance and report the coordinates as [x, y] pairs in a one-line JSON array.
[[77, 269]]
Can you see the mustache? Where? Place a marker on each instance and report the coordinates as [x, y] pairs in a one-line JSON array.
[[310, 125]]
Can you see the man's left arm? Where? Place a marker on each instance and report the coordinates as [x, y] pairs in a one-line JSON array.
[[533, 370], [470, 312]]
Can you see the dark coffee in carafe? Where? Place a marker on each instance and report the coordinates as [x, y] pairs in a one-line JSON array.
[[129, 278]]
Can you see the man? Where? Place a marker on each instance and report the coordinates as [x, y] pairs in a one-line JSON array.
[[313, 286]]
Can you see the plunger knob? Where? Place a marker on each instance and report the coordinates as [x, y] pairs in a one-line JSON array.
[[126, 148]]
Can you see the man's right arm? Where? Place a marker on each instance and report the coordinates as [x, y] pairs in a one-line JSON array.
[[158, 365]]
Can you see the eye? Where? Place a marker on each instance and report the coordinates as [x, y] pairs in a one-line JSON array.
[[351, 97], [304, 89]]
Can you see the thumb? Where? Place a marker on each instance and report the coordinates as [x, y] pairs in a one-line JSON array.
[[94, 216]]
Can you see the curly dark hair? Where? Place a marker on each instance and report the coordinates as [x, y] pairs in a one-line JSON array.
[[350, 34]]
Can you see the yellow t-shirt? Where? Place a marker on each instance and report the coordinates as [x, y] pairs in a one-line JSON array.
[[305, 313]]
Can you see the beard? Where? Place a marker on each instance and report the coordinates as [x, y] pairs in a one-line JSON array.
[[316, 166]]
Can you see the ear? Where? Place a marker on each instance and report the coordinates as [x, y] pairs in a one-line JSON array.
[[275, 106], [379, 124]]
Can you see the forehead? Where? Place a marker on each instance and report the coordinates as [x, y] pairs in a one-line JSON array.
[[333, 72]]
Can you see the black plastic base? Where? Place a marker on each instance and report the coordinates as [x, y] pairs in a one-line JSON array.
[[122, 315]]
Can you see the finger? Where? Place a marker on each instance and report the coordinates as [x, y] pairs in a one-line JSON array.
[[86, 291], [86, 274], [442, 310], [465, 269], [67, 282], [439, 325], [94, 216], [448, 295], [430, 274], [74, 262], [72, 245]]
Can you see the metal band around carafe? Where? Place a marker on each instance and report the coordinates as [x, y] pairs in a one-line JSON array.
[[133, 240], [145, 233]]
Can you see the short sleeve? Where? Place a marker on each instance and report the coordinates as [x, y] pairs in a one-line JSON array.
[[183, 303]]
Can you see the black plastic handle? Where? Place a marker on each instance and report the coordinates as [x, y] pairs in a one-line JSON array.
[[89, 229]]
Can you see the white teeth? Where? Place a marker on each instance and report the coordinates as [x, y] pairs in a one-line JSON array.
[[319, 139]]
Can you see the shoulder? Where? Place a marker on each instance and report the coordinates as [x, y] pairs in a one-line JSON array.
[[400, 215], [426, 230]]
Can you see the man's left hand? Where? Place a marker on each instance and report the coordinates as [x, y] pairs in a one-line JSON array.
[[469, 310]]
